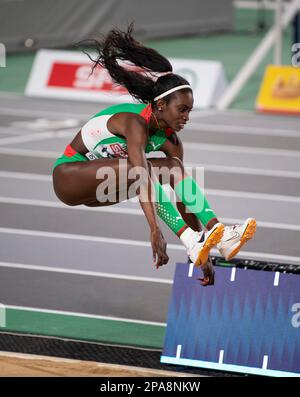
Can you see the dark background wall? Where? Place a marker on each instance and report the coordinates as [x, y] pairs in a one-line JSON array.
[[31, 24]]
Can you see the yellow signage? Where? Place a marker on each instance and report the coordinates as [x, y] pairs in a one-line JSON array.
[[280, 90]]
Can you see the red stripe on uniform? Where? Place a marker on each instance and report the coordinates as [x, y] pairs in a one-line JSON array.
[[69, 151], [180, 231], [146, 113]]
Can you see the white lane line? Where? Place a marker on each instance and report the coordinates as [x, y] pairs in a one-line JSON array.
[[226, 169], [198, 113], [80, 237], [191, 269], [38, 136], [178, 351], [26, 176], [129, 211], [239, 129], [56, 204], [176, 247], [190, 146], [31, 153], [271, 225], [84, 273], [245, 130], [265, 362], [221, 356], [250, 195], [214, 168], [6, 131], [210, 192], [86, 315], [9, 130], [35, 112], [207, 147], [276, 279], [44, 124], [233, 272]]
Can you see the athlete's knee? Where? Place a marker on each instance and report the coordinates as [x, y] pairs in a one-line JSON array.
[[176, 170], [169, 170], [168, 162]]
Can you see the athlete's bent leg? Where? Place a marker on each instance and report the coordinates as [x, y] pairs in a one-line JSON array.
[[187, 189], [197, 244], [190, 193], [81, 182]]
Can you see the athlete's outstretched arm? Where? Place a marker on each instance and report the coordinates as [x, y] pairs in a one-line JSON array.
[[137, 137]]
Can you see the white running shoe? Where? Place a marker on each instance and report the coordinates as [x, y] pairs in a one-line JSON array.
[[235, 237], [198, 250]]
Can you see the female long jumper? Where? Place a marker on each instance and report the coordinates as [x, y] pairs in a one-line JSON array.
[[109, 154]]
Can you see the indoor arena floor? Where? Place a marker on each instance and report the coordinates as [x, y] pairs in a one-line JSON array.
[[97, 261]]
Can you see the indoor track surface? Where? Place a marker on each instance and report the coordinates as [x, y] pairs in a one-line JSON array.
[[97, 261]]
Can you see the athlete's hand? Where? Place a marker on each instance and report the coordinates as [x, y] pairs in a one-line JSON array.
[[159, 248], [208, 273]]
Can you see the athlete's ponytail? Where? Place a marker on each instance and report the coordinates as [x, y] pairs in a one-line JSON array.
[[118, 45]]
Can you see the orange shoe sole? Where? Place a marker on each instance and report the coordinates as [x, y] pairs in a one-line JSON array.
[[212, 241], [248, 234]]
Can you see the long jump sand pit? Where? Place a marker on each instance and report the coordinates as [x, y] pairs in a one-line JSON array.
[[15, 364]]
